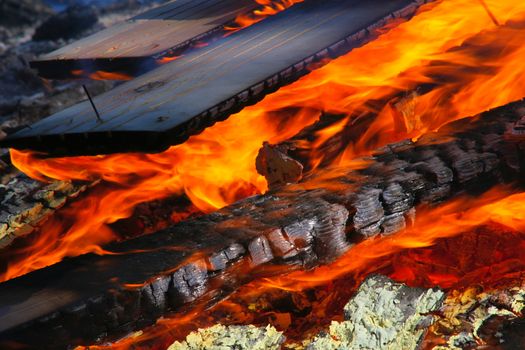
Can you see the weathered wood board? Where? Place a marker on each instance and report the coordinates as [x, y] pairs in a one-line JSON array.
[[304, 225], [133, 45], [167, 105]]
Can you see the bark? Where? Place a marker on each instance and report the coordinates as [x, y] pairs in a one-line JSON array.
[[24, 203], [93, 298]]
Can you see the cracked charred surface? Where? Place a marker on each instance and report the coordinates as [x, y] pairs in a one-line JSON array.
[[95, 298]]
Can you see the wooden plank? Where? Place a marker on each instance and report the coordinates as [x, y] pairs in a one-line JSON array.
[[168, 104], [133, 45], [95, 297]]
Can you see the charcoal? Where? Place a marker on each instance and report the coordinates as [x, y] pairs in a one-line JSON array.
[[369, 209], [393, 223], [396, 199], [188, 283], [260, 251]]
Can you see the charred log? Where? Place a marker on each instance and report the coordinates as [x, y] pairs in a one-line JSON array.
[[92, 298]]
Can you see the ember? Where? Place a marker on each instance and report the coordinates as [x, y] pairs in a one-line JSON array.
[[434, 206]]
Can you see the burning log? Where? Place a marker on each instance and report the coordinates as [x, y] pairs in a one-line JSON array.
[[299, 226], [383, 315]]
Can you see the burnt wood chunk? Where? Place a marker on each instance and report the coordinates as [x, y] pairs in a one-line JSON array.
[[166, 105], [94, 298], [277, 167]]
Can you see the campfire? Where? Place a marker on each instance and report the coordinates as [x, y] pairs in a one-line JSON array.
[[370, 199]]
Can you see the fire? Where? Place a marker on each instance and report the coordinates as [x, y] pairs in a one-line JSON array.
[[167, 59], [268, 8], [499, 206], [101, 75], [437, 250], [450, 61]]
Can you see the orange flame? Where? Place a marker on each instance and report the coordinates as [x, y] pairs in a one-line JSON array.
[[167, 59], [268, 8], [101, 75], [451, 51], [453, 225], [455, 218]]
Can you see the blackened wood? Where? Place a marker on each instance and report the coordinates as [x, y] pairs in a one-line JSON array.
[[92, 297], [167, 105], [135, 44]]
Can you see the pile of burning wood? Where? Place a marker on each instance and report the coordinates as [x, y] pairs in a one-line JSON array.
[[366, 196]]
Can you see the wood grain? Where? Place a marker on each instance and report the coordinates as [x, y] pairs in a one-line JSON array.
[[167, 105]]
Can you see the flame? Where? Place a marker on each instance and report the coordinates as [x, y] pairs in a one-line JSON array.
[[268, 8], [451, 55], [167, 59], [455, 246], [101, 75]]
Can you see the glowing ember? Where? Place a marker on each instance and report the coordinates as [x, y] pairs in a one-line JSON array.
[[217, 167], [101, 75], [268, 8], [167, 59]]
